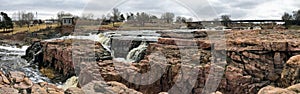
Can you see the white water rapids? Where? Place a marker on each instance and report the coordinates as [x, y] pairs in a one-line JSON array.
[[10, 60]]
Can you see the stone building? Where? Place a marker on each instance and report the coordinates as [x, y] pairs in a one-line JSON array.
[[68, 20]]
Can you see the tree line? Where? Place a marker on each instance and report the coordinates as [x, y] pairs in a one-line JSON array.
[[142, 17], [23, 18], [291, 19]]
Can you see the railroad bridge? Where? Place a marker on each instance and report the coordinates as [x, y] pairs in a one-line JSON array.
[[265, 24]]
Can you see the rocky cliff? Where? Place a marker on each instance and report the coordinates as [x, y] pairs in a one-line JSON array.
[[57, 55], [254, 59], [176, 64]]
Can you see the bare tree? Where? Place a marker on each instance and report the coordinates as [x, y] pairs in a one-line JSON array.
[[296, 17], [142, 18], [287, 18], [60, 15], [28, 17], [168, 17], [88, 16], [15, 16], [24, 18], [178, 19], [153, 17], [226, 20], [20, 21], [116, 14]]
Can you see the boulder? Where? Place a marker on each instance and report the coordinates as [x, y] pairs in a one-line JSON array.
[[74, 90], [274, 90], [290, 74], [27, 81], [19, 83], [295, 88], [16, 76], [37, 89], [25, 84], [5, 80], [101, 87], [7, 90], [218, 92], [22, 85]]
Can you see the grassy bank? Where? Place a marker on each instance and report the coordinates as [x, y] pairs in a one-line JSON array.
[[30, 29]]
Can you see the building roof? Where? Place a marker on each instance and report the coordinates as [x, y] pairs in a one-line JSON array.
[[67, 17]]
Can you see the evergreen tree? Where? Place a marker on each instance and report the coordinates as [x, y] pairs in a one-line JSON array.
[[6, 21]]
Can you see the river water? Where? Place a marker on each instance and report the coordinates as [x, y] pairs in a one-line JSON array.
[[10, 60]]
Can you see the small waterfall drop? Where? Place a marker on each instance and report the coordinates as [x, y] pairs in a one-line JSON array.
[[71, 82], [128, 46], [103, 39], [137, 54]]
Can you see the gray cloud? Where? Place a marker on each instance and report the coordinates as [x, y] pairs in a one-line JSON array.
[[205, 10]]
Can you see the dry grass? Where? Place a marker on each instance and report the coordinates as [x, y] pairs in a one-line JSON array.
[[35, 28], [48, 72], [294, 27]]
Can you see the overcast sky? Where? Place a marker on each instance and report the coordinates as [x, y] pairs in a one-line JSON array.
[[198, 9]]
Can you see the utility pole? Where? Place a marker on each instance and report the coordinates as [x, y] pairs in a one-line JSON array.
[[36, 15]]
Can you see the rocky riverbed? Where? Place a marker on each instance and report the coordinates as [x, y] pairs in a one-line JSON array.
[[230, 62]]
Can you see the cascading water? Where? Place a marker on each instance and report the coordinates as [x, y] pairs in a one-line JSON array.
[[137, 54], [128, 46], [71, 82], [10, 60], [103, 39]]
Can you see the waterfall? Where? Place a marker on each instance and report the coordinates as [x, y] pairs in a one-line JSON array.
[[104, 40], [127, 46], [71, 82], [34, 56], [11, 60], [136, 54]]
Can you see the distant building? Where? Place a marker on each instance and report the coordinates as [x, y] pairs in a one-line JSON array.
[[49, 22], [257, 28], [67, 20]]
